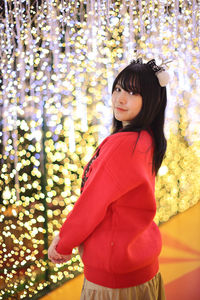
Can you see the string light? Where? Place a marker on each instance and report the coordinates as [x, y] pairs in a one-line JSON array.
[[58, 63]]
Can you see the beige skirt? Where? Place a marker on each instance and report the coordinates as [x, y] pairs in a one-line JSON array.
[[151, 290]]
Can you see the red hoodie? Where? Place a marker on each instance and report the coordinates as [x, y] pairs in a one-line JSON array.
[[113, 217]]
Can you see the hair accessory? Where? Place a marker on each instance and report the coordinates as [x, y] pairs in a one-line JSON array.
[[160, 72], [137, 61]]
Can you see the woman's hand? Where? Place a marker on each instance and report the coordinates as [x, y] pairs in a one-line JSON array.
[[54, 256]]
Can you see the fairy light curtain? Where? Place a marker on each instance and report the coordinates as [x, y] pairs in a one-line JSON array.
[[58, 60]]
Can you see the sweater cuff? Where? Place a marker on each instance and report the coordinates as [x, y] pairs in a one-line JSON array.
[[61, 250]]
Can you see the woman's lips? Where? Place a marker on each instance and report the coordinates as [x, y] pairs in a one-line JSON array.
[[120, 109]]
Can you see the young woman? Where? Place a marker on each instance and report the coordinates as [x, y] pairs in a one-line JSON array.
[[112, 221]]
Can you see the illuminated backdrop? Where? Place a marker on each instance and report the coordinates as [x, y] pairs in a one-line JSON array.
[[58, 62]]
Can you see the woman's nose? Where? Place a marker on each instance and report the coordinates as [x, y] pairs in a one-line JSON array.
[[122, 98]]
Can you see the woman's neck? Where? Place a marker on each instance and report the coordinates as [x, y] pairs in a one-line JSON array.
[[125, 123]]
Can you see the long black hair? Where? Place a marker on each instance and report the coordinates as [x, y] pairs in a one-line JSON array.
[[141, 79]]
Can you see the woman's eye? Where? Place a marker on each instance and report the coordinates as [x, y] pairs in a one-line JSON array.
[[117, 89], [133, 93]]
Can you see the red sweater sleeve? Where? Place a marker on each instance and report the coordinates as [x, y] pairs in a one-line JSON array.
[[116, 170]]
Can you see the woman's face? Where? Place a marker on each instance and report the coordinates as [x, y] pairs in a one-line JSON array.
[[126, 106]]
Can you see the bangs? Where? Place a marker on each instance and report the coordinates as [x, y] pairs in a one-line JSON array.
[[129, 82]]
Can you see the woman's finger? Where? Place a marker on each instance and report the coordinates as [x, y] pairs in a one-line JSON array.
[[56, 257]]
